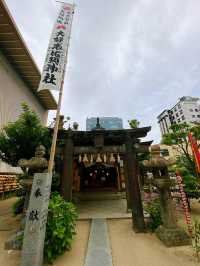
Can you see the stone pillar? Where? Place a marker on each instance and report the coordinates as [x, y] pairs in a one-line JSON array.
[[134, 189], [168, 232], [36, 219], [166, 205], [67, 171]]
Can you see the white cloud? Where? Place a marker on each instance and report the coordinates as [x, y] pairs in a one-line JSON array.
[[127, 58]]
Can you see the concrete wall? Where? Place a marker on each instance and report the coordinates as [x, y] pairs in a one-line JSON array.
[[13, 91], [164, 122], [186, 111], [187, 107]]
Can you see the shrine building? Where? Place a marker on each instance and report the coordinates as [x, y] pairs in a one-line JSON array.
[[102, 160]]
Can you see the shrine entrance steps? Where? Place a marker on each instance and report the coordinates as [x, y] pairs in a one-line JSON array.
[[98, 195], [102, 205]]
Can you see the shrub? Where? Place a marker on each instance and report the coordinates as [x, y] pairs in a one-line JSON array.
[[60, 228], [153, 208], [18, 206]]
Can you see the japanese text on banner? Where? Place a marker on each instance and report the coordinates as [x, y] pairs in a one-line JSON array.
[[57, 51]]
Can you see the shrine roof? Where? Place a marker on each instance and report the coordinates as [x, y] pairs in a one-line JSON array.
[[16, 52], [111, 137]]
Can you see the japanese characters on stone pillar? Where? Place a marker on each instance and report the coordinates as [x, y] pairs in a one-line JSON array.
[[36, 218], [54, 64]]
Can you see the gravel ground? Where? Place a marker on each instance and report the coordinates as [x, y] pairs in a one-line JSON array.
[[74, 257], [130, 249]]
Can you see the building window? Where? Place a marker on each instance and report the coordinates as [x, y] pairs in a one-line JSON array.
[[196, 110], [183, 117], [176, 114], [179, 106], [193, 116], [191, 110], [181, 112], [179, 120], [174, 109], [198, 116]]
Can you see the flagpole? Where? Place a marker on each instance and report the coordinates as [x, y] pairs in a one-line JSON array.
[[36, 216], [55, 132]]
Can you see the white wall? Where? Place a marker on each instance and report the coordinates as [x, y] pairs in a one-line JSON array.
[[13, 91], [188, 114], [185, 107]]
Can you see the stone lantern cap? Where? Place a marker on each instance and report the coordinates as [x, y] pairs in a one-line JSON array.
[[37, 162], [156, 161]]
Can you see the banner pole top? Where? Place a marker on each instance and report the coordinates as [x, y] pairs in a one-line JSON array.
[[58, 1], [65, 2]]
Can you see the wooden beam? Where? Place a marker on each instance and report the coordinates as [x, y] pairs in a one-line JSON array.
[[134, 188], [91, 149], [67, 172]]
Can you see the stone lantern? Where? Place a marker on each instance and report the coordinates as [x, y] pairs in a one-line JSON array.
[[168, 232], [37, 164]]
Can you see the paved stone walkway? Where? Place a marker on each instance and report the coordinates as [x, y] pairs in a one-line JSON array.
[[103, 209], [98, 252]]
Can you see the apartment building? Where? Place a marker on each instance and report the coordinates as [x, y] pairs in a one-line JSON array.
[[187, 109]]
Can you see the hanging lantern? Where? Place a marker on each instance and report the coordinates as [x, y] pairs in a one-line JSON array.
[[98, 160], [85, 158], [91, 158], [112, 159], [104, 158], [80, 158], [118, 158]]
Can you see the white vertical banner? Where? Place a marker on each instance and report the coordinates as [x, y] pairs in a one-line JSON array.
[[54, 64]]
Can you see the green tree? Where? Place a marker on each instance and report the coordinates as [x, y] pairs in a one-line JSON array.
[[19, 139], [185, 162], [179, 136], [134, 123], [191, 184], [141, 156]]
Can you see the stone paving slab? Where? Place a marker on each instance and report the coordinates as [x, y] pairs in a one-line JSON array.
[[104, 216], [106, 209], [103, 209], [99, 252]]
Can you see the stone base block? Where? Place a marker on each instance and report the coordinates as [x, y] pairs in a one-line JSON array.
[[14, 242], [173, 237]]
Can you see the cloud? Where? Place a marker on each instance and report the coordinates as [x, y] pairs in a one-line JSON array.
[[127, 58]]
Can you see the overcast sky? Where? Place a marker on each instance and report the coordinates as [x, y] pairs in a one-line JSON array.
[[130, 59]]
